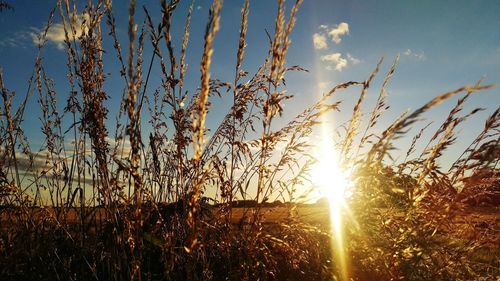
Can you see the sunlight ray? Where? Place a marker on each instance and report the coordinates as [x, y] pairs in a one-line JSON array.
[[334, 185]]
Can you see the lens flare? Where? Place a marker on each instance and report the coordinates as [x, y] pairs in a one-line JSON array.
[[334, 184]]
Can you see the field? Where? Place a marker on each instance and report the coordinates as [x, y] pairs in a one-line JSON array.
[[143, 169], [482, 219], [467, 226]]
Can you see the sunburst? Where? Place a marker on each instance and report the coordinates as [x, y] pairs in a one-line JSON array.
[[334, 184]]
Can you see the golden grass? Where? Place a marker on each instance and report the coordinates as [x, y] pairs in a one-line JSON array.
[[129, 206]]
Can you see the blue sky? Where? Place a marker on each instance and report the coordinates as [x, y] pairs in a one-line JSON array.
[[443, 45]]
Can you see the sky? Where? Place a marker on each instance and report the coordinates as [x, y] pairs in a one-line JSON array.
[[442, 46]]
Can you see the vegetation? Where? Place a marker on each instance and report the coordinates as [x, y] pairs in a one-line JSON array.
[[132, 202]]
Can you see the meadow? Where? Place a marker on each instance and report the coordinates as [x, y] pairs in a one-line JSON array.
[[159, 195]]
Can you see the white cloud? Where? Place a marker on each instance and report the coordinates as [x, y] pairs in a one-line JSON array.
[[322, 86], [319, 41], [352, 59], [335, 33], [420, 56], [198, 7], [56, 34], [331, 57], [336, 59], [18, 39], [338, 31], [333, 61]]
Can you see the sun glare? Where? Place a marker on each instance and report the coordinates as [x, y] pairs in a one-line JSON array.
[[332, 181], [334, 184]]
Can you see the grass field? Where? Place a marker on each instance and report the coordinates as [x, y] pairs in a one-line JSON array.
[[482, 219], [467, 225], [156, 192]]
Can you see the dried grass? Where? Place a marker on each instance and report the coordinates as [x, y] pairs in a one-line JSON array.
[[131, 206]]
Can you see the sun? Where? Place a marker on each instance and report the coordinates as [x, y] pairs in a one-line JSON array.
[[333, 181], [334, 184]]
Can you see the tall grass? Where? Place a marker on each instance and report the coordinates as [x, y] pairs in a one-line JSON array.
[[129, 202]]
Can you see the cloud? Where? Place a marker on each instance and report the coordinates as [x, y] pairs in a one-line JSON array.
[[352, 59], [338, 31], [19, 39], [335, 34], [420, 56], [336, 59], [38, 167], [56, 34], [323, 85], [319, 41], [43, 165]]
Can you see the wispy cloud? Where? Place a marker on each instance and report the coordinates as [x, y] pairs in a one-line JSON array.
[[338, 31], [352, 59], [323, 85], [336, 61], [319, 41], [420, 56], [56, 34], [42, 164], [19, 39]]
